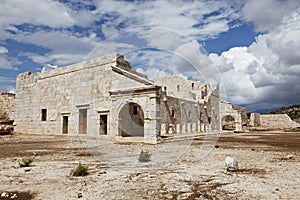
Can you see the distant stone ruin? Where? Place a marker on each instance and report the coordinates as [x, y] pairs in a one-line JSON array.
[[272, 121], [7, 107]]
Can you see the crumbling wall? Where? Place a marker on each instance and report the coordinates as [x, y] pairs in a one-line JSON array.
[[7, 106], [228, 110], [277, 121], [254, 120], [188, 106]]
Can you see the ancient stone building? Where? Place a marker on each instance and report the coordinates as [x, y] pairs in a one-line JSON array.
[[7, 106], [106, 96], [232, 117]]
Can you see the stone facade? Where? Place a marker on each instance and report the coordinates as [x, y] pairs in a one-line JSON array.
[[106, 96], [188, 106], [232, 117], [7, 106]]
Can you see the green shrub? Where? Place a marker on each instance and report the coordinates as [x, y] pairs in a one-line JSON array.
[[81, 170], [26, 162], [144, 156]]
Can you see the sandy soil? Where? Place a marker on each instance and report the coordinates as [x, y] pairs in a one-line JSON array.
[[269, 165]]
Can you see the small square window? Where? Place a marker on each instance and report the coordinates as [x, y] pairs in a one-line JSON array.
[[44, 115]]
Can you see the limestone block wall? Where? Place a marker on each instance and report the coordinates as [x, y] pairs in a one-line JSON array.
[[147, 98], [63, 92], [277, 121], [254, 120], [226, 109], [185, 116], [188, 106], [213, 107], [184, 89], [7, 106]]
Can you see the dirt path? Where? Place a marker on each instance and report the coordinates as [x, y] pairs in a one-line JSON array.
[[268, 162]]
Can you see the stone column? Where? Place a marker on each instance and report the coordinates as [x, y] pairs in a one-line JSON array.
[[152, 124]]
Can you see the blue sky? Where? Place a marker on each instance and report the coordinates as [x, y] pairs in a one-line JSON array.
[[251, 48]]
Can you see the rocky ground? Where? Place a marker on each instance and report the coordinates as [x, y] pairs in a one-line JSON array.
[[269, 164]]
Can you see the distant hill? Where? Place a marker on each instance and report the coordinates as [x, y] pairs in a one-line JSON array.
[[292, 111]]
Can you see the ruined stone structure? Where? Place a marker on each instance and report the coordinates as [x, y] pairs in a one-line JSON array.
[[106, 96], [188, 106], [232, 117], [272, 121], [254, 120], [7, 106]]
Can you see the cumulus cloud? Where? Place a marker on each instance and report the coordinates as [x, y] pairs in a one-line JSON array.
[[188, 18], [268, 70], [40, 12], [267, 14], [64, 46]]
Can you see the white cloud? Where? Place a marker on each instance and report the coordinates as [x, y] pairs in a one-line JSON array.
[[39, 12], [267, 14], [4, 62], [179, 20], [187, 18], [266, 71], [65, 46], [3, 50]]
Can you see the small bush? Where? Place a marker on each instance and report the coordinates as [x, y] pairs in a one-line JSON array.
[[144, 156], [26, 162], [81, 170]]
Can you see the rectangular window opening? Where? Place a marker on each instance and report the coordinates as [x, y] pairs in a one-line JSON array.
[[65, 124], [173, 113], [44, 115], [82, 121], [135, 110]]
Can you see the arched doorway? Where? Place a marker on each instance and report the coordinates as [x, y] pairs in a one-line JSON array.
[[228, 123], [131, 120]]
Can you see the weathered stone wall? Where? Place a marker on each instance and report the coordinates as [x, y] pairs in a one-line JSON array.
[[183, 89], [254, 120], [84, 94], [226, 109], [65, 90], [7, 106], [188, 106], [277, 121]]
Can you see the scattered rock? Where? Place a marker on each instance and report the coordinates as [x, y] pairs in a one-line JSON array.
[[4, 194], [151, 176], [79, 194], [27, 170], [231, 164], [291, 156]]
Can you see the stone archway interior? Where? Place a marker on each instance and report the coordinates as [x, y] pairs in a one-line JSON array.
[[228, 123], [131, 120]]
